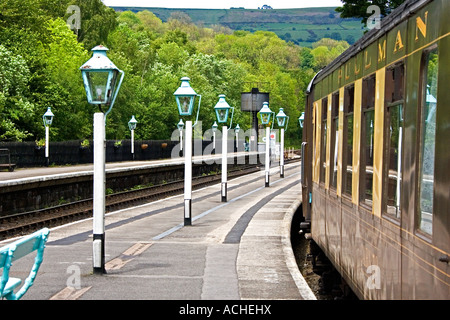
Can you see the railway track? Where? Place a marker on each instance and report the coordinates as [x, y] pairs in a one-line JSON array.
[[24, 223]]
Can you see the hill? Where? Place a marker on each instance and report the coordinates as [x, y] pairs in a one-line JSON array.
[[301, 26]]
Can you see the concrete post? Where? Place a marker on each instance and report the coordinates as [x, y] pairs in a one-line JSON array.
[[188, 175], [98, 258]]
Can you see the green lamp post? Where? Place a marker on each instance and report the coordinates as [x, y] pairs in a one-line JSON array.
[[222, 110], [185, 97], [47, 118], [283, 121], [266, 114], [102, 83], [132, 126]]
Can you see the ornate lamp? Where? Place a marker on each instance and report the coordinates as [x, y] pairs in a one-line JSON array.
[[48, 117], [222, 110], [100, 77], [301, 119], [185, 97], [265, 113], [132, 123], [282, 119]]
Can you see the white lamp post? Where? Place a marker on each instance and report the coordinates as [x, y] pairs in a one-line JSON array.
[[283, 121], [236, 131], [214, 129], [222, 109], [265, 113], [132, 126], [180, 127], [47, 119], [100, 78], [185, 97]]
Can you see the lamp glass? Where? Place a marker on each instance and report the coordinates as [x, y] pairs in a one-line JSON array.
[[185, 97], [281, 118], [132, 123], [48, 117], [99, 77], [222, 109], [265, 113], [180, 125], [301, 119]]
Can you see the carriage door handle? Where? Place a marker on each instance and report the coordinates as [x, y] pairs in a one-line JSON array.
[[444, 258]]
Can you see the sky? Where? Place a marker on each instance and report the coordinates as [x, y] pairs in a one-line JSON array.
[[224, 4]]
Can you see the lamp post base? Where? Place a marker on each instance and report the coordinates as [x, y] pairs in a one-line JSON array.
[[224, 191], [267, 179], [281, 171], [99, 254], [187, 212]]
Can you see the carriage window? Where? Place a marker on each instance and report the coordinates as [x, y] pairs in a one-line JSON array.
[[427, 140], [394, 124], [323, 146], [334, 131], [347, 159], [367, 139]]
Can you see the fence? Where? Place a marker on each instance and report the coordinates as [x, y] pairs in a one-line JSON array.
[[28, 154]]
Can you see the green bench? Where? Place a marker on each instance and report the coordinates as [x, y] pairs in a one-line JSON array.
[[15, 251]]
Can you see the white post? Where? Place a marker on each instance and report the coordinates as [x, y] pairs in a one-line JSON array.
[[181, 140], [47, 144], [214, 141], [282, 154], [223, 185], [237, 141], [99, 194], [188, 175], [132, 143], [267, 167]]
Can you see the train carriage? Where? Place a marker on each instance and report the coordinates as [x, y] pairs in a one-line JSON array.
[[376, 159]]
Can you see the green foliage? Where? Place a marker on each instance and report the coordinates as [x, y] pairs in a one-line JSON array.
[[40, 59], [358, 8]]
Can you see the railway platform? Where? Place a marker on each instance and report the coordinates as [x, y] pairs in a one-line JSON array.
[[234, 250]]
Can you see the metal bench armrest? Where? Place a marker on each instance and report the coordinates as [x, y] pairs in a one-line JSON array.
[[41, 238]]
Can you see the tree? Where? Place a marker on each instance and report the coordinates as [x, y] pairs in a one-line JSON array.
[[15, 108], [98, 21], [358, 8]]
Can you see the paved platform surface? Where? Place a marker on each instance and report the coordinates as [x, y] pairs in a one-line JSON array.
[[239, 249]]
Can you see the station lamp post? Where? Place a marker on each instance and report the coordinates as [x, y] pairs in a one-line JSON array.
[[185, 97], [265, 113], [236, 131], [222, 110], [132, 126], [102, 83], [180, 127], [301, 119], [214, 129], [47, 119], [283, 121]]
